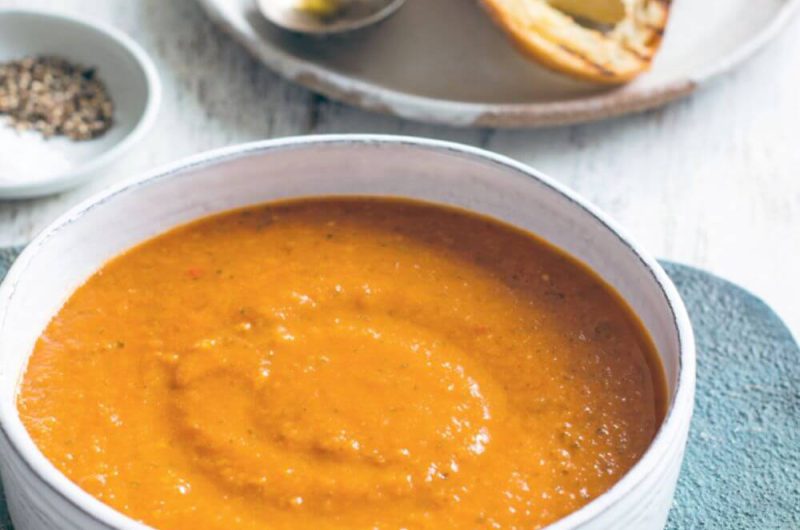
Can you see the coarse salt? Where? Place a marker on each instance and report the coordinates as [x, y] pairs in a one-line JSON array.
[[27, 156]]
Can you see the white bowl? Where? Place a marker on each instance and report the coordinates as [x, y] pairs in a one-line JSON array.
[[39, 496], [128, 73]]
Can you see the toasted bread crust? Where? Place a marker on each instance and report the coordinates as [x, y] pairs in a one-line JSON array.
[[556, 41]]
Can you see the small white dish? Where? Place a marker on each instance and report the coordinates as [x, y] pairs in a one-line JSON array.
[[80, 241], [31, 166]]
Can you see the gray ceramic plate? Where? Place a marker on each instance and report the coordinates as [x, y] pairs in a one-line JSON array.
[[443, 61]]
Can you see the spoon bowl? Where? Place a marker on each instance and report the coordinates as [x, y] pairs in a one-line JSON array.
[[353, 15]]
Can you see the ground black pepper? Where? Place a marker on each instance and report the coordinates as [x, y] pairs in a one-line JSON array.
[[55, 97]]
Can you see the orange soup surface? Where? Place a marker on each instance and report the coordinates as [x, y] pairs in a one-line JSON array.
[[346, 363]]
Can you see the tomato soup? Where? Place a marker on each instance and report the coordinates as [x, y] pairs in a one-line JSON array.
[[344, 363]]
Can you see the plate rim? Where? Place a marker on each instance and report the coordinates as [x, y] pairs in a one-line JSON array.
[[373, 97]]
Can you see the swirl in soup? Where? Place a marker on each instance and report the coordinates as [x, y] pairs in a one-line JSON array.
[[344, 363]]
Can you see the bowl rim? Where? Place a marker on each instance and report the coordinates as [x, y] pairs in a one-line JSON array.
[[679, 410], [153, 96]]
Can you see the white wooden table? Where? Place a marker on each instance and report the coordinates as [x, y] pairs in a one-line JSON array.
[[713, 181]]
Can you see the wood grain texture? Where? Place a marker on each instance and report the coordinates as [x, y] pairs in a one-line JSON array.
[[712, 181]]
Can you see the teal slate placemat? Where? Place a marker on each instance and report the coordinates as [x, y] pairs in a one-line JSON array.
[[742, 467]]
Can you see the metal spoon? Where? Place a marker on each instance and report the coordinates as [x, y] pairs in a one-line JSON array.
[[351, 15]]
